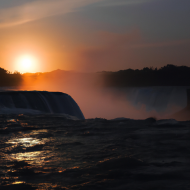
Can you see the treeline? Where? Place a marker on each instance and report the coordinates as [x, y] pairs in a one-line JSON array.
[[9, 79], [169, 75]]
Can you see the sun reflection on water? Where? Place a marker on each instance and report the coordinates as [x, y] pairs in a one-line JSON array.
[[25, 142], [11, 120], [33, 157], [28, 148], [18, 182]]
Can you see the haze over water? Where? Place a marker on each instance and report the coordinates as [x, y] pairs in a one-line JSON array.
[[91, 36]]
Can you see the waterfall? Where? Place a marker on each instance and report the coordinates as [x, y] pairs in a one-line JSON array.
[[38, 102], [159, 99]]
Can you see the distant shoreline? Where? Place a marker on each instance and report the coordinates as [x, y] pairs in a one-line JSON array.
[[169, 75]]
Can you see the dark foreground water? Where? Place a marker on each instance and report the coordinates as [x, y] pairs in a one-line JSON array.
[[51, 152]]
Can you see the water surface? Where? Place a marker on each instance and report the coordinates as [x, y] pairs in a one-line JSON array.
[[52, 152]]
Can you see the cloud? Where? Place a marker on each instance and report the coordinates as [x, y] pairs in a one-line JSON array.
[[39, 9], [162, 44], [122, 2], [113, 51], [128, 50]]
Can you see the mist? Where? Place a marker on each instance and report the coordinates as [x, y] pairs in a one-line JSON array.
[[98, 101]]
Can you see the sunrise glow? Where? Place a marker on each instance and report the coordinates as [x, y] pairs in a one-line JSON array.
[[26, 63]]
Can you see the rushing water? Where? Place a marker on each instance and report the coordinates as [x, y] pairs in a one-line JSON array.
[[38, 102], [54, 152]]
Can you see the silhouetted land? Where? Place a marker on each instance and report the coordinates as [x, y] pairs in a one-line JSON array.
[[9, 79], [169, 75]]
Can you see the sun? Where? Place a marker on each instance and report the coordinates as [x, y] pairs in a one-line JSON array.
[[26, 63]]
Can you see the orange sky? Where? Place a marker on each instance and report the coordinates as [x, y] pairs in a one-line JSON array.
[[94, 35]]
